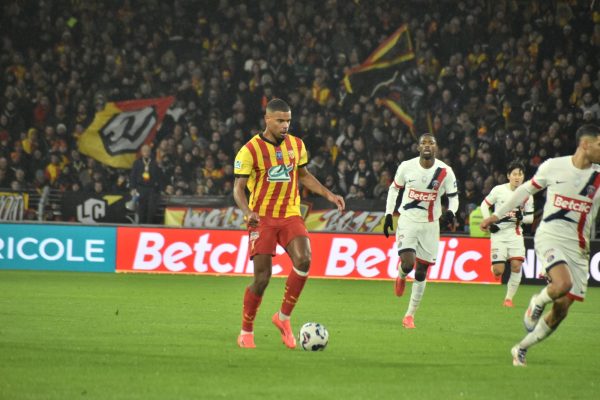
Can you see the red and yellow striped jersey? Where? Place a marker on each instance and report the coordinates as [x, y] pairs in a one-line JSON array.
[[272, 172]]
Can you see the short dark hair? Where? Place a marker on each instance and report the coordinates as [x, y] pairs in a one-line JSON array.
[[589, 130], [427, 134], [515, 165], [275, 105]]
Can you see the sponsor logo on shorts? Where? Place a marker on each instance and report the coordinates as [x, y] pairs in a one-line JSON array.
[[422, 196], [570, 204]]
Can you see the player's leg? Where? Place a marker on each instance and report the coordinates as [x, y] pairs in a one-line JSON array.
[[262, 245], [498, 269], [418, 289], [300, 253], [406, 243], [560, 283], [406, 265], [498, 252], [514, 280], [426, 253], [545, 327], [294, 237], [253, 297], [569, 277]]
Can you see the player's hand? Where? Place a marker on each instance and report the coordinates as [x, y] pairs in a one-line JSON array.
[[338, 201], [519, 215], [485, 224], [493, 228], [252, 219], [388, 224]]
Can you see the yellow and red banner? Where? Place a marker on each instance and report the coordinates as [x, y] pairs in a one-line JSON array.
[[389, 75], [329, 220], [121, 128]]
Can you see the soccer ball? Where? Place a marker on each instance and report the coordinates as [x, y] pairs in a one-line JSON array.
[[313, 337]]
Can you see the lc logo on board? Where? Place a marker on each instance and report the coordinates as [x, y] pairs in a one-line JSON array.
[[91, 211]]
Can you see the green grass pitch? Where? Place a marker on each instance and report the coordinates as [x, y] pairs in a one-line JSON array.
[[126, 336]]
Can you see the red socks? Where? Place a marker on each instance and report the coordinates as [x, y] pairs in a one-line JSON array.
[[251, 304], [293, 288]]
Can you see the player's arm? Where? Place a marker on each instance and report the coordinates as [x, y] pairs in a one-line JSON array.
[[528, 212], [451, 189], [392, 197], [395, 187], [311, 183], [243, 168], [239, 195], [486, 205]]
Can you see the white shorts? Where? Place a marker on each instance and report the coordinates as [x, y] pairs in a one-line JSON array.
[[551, 252], [422, 237], [503, 249]]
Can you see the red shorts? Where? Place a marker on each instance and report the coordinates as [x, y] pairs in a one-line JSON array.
[[273, 231]]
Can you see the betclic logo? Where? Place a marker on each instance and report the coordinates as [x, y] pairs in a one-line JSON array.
[[352, 256]]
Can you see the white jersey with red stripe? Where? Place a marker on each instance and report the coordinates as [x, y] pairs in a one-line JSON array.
[[508, 223], [423, 188], [572, 200]]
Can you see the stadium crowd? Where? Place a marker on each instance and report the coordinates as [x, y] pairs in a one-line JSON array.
[[502, 80]]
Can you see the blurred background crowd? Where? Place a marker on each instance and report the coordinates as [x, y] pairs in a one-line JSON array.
[[502, 80]]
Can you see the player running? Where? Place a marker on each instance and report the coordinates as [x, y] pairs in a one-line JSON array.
[[270, 165], [424, 180], [562, 239], [507, 237]]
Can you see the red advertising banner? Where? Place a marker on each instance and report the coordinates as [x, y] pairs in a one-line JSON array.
[[335, 255]]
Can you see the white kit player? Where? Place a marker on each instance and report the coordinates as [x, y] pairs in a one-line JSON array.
[[562, 239], [507, 243], [424, 180]]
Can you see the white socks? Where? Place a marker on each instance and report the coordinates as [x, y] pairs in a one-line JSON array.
[[541, 332], [543, 298], [513, 284], [415, 297]]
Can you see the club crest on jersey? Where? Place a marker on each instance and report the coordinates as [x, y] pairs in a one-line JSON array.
[[280, 173], [590, 190], [435, 184], [279, 155], [291, 154]]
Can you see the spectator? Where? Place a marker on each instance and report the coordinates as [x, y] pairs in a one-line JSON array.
[[497, 75]]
